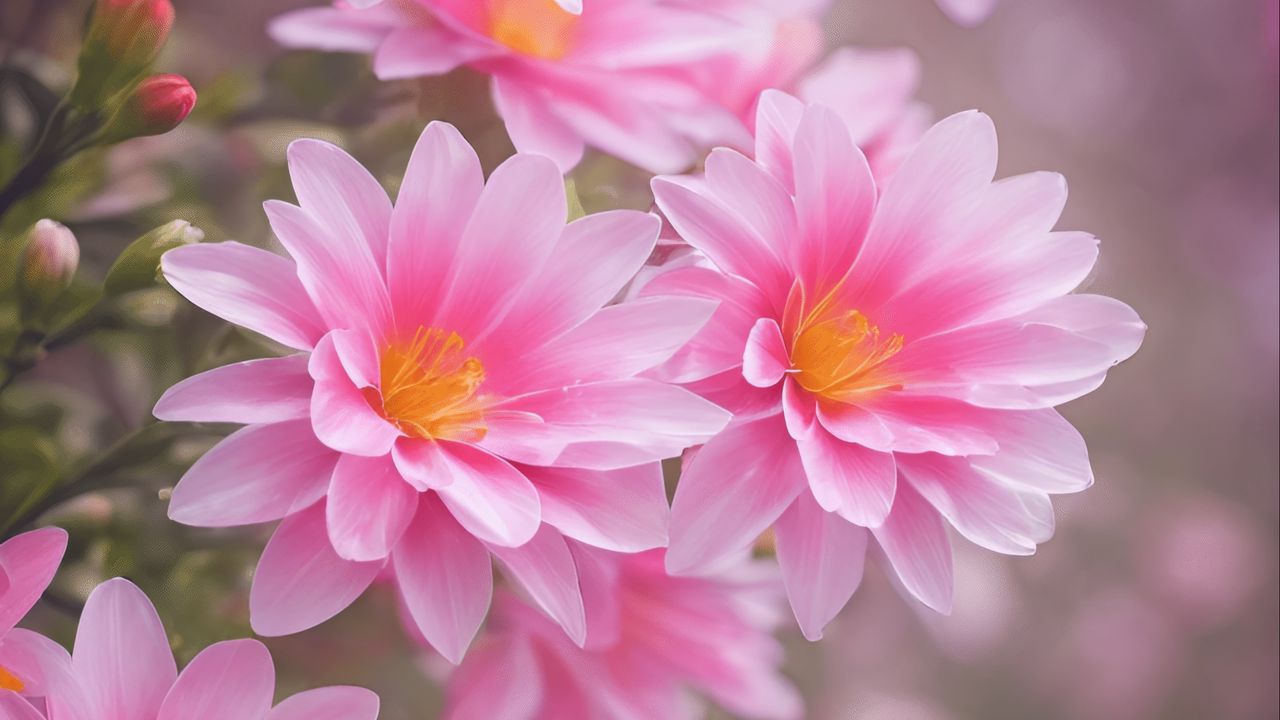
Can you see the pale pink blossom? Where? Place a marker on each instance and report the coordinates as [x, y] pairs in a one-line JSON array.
[[653, 639], [625, 76], [30, 664], [123, 669], [460, 389], [892, 354]]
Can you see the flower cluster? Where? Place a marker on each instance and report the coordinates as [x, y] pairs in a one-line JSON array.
[[854, 339]]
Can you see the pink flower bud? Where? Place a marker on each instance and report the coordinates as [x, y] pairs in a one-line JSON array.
[[157, 105], [48, 264], [124, 38]]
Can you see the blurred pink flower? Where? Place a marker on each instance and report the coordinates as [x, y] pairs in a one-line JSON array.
[[968, 12], [122, 668], [892, 358], [30, 664], [652, 637], [459, 384], [628, 76]]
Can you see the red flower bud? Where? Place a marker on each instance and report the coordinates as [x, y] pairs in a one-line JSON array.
[[157, 105], [124, 38]]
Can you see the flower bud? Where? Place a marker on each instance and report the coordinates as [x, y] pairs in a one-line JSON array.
[[124, 38], [48, 264], [154, 107], [139, 265]]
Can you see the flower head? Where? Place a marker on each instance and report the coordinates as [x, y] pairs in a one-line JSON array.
[[29, 663], [645, 80], [122, 668], [653, 637], [154, 106], [892, 353], [460, 390]]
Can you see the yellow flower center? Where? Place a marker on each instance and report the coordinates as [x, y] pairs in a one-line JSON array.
[[8, 681], [540, 28], [429, 388], [841, 355]]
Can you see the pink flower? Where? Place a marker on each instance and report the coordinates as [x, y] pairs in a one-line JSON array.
[[892, 354], [653, 636], [629, 77], [122, 669], [460, 389], [30, 664]]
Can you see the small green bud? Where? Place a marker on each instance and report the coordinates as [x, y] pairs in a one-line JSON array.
[[138, 267]]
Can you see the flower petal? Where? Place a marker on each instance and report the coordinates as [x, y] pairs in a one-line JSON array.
[[489, 497], [534, 126], [245, 286], [445, 578], [340, 193], [735, 487], [822, 557], [257, 391], [369, 507], [338, 702], [29, 562], [258, 474], [300, 581], [915, 542], [121, 655], [545, 568], [42, 665], [230, 679], [765, 359], [621, 510], [848, 479], [340, 414]]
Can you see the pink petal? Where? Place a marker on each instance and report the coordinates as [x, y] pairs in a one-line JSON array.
[[821, 556], [932, 424], [756, 196], [765, 359], [341, 274], [42, 665], [777, 117], [424, 50], [915, 542], [1039, 450], [533, 124], [300, 581], [835, 198], [986, 512], [851, 423], [501, 679], [967, 12], [330, 29], [121, 654], [369, 507], [733, 490], [13, 707], [337, 702], [231, 679], [340, 414], [423, 464], [445, 577], [258, 474], [489, 497], [728, 239], [437, 197], [869, 88], [545, 569], [29, 562], [517, 221], [257, 391], [853, 481], [337, 191], [248, 287], [618, 342], [596, 256], [621, 510], [607, 425]]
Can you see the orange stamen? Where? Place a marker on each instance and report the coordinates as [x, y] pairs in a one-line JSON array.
[[429, 387], [9, 681], [540, 28], [839, 355]]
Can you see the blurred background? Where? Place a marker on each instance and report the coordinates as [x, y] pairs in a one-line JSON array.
[[1158, 598]]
